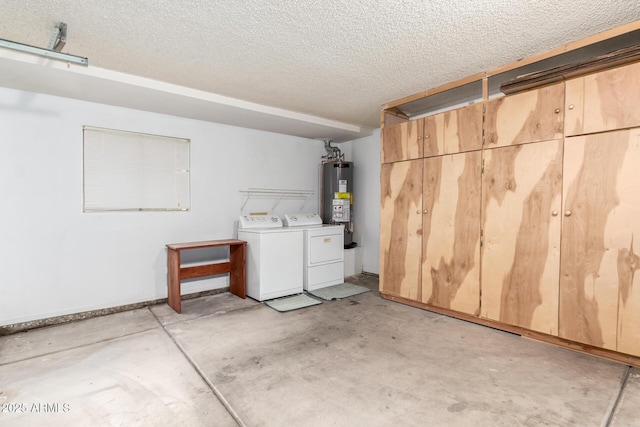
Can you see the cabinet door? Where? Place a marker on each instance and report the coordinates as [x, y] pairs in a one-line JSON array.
[[603, 101], [599, 292], [451, 232], [463, 129], [401, 228], [536, 115], [434, 135], [521, 228], [454, 131], [402, 141]]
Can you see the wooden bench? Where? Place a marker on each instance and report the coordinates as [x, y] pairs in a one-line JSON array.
[[235, 267]]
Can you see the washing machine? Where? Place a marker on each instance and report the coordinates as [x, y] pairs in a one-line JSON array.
[[274, 259], [323, 263]]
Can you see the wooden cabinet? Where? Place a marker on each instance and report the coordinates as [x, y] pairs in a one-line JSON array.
[[451, 232], [521, 188], [523, 281], [454, 131], [400, 233], [430, 238], [536, 115], [451, 132], [453, 262], [463, 129], [534, 231], [402, 141], [599, 293], [434, 135], [521, 185], [603, 101]]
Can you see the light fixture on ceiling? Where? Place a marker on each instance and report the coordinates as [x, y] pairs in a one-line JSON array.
[[57, 42]]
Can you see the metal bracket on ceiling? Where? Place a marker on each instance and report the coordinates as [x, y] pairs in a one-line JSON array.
[[58, 38]]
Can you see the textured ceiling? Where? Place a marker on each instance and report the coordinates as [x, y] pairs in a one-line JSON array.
[[334, 59]]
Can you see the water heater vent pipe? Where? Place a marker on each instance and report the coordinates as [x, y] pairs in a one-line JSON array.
[[333, 153]]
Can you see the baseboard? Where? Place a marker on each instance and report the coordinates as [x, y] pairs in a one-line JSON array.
[[612, 355], [74, 317]]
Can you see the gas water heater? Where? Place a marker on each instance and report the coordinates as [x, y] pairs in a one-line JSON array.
[[336, 192]]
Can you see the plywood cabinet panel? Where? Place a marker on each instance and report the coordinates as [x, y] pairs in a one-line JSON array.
[[401, 228], [451, 232], [603, 101], [599, 292], [402, 141], [521, 227], [532, 116], [463, 129], [434, 135], [454, 131], [574, 107]]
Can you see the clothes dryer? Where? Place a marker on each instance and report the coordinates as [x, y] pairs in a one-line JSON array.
[[323, 250]]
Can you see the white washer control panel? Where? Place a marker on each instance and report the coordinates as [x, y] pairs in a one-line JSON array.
[[300, 219], [260, 221]]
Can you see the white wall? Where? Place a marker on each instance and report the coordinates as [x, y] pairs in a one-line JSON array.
[[57, 260], [365, 154]]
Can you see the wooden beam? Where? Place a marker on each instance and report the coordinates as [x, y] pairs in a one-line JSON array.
[[578, 44], [396, 112], [435, 90], [569, 71], [392, 117]]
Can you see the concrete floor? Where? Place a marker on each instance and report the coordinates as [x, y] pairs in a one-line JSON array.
[[360, 361]]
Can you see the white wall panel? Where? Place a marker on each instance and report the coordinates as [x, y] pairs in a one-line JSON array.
[[57, 260]]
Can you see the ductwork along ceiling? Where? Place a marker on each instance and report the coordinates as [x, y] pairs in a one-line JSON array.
[[329, 64]]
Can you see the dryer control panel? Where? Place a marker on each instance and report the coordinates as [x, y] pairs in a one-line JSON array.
[[260, 221], [300, 219]]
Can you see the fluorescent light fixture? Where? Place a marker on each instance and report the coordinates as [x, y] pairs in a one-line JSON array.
[[47, 53]]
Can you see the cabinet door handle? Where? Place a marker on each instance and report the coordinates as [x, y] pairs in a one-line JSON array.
[[554, 213], [571, 107], [426, 211], [567, 213], [557, 111], [418, 211]]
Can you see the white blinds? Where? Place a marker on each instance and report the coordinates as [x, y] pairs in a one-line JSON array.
[[134, 171]]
